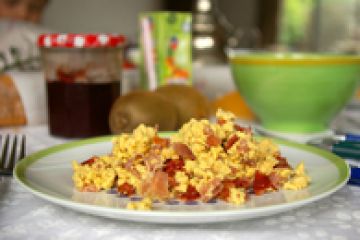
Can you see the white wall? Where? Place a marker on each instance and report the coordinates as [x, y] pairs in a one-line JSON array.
[[113, 16]]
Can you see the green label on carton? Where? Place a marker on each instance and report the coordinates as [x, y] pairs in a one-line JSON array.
[[165, 42]]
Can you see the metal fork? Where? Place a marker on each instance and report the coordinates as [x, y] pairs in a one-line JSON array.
[[11, 152]]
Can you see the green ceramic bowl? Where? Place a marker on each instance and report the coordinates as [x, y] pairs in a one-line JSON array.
[[295, 92]]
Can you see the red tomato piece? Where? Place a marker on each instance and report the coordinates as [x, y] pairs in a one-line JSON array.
[[242, 183], [126, 189], [261, 183], [190, 194], [89, 162], [173, 165], [282, 162], [171, 182]]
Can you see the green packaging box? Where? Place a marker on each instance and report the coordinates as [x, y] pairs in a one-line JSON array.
[[165, 44]]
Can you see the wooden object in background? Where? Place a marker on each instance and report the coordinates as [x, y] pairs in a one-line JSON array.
[[12, 111]]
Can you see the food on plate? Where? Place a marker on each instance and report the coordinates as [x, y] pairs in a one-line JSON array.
[[202, 161], [189, 102], [138, 107]]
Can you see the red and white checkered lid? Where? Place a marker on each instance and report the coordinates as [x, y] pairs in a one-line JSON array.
[[78, 40]]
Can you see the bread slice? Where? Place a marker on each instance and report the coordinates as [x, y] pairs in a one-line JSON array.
[[12, 111]]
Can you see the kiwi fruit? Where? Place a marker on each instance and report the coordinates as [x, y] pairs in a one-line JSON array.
[[189, 102], [138, 107]]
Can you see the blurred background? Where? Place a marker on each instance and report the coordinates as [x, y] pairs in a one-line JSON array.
[[301, 24], [291, 25]]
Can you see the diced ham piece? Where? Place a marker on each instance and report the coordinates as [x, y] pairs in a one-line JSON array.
[[213, 141], [208, 130], [162, 142], [243, 146], [207, 191], [221, 121], [183, 151], [224, 193], [275, 180], [246, 130], [160, 185], [152, 161], [129, 164], [157, 186], [89, 188]]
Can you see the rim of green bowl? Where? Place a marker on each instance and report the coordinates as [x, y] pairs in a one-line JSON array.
[[292, 58]]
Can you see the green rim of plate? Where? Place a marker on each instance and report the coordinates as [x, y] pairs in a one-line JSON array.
[[20, 168]]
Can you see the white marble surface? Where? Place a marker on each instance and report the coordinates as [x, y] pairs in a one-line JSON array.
[[24, 216]]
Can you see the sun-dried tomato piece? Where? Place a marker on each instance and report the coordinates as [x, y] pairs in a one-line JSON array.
[[89, 162], [242, 183], [225, 191], [221, 121], [126, 189], [230, 142], [282, 162], [213, 141], [172, 182], [190, 194], [261, 183], [173, 165], [183, 150], [163, 142]]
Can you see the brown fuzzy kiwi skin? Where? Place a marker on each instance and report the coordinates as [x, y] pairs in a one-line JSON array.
[[189, 102], [135, 108]]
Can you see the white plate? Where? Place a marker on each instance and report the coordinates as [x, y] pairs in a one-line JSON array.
[[48, 173]]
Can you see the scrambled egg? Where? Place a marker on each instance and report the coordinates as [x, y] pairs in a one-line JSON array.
[[202, 161], [144, 204], [299, 180]]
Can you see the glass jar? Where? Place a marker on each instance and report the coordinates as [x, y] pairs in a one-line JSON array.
[[83, 74]]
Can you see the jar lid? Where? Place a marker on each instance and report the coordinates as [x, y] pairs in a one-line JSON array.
[[78, 40]]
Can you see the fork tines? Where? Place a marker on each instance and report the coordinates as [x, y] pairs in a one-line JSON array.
[[10, 152]]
